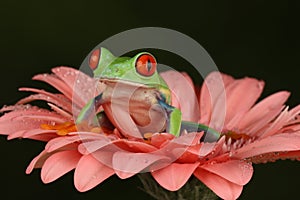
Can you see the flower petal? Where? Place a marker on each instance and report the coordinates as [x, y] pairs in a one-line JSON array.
[[56, 83], [26, 117], [62, 141], [33, 132], [275, 143], [240, 97], [127, 164], [83, 87], [174, 176], [254, 119], [222, 187], [90, 172], [236, 171], [38, 161], [212, 89], [57, 99], [59, 164], [181, 87], [159, 139]]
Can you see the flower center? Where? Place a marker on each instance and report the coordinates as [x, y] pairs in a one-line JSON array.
[[62, 129], [69, 127], [236, 136]]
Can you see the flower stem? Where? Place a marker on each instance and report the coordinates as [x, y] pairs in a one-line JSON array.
[[193, 189]]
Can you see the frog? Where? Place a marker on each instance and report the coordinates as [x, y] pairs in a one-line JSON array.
[[135, 99]]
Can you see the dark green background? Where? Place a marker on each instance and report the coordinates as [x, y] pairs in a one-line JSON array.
[[253, 38]]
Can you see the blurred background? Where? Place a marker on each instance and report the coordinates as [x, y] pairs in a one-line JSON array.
[[251, 38]]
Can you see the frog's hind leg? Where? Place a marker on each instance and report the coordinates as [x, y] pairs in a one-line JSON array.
[[88, 112], [210, 135], [173, 116], [103, 123]]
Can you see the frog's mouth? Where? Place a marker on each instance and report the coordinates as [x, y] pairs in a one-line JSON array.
[[115, 81]]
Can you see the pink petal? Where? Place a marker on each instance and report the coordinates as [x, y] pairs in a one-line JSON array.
[[271, 107], [127, 164], [276, 125], [38, 161], [235, 171], [34, 132], [44, 137], [62, 112], [89, 173], [182, 87], [59, 142], [82, 86], [91, 146], [174, 176], [188, 155], [272, 157], [240, 97], [23, 118], [14, 135], [222, 187], [56, 83], [275, 143], [57, 99], [206, 149], [62, 141], [159, 139], [212, 89], [134, 146], [59, 164]]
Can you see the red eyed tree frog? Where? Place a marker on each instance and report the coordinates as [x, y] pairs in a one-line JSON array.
[[135, 92]]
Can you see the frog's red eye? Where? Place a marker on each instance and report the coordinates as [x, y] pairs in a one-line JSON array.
[[145, 65], [94, 59]]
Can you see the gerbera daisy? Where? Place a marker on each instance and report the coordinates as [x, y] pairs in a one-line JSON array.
[[250, 133]]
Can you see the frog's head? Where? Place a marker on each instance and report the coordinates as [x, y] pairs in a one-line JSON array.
[[140, 69]]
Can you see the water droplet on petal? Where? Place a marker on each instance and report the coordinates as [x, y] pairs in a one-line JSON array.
[[213, 162]]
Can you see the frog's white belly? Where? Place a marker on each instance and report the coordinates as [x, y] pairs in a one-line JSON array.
[[133, 109]]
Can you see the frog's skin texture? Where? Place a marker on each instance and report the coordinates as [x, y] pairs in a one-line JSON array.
[[136, 99]]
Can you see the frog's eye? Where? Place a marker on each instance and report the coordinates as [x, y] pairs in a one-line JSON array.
[[145, 65], [94, 59]]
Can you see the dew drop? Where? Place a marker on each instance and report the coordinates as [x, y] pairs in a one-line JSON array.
[[213, 162], [27, 106]]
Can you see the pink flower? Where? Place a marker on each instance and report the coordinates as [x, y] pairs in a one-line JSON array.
[[251, 133]]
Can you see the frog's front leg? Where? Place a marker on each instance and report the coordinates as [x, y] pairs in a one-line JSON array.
[[173, 118], [88, 114]]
